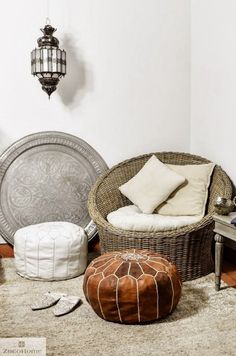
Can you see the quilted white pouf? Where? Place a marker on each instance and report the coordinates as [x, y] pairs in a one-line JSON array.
[[50, 251]]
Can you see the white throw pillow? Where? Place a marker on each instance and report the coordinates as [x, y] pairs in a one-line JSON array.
[[152, 185], [131, 218], [191, 198]]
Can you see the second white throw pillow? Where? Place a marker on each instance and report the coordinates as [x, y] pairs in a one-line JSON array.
[[191, 198]]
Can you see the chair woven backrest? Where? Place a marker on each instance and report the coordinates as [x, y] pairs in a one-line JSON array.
[[109, 198]]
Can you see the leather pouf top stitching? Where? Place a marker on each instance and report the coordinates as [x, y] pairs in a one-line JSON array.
[[132, 286]]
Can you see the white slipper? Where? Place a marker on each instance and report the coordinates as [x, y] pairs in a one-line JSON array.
[[47, 300], [66, 305]]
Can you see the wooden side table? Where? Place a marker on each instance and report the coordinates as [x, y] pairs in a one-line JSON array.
[[225, 235]]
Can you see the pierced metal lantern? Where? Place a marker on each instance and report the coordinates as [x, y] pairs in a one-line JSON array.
[[48, 62]]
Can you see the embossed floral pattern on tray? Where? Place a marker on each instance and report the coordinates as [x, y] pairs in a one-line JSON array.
[[47, 177]]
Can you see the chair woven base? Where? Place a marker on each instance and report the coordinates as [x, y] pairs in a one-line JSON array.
[[190, 252]]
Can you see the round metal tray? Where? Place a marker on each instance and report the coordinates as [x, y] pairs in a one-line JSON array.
[[47, 176]]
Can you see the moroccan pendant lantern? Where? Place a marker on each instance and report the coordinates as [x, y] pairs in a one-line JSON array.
[[48, 62]]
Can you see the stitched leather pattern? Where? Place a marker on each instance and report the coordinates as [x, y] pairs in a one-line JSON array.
[[132, 286]]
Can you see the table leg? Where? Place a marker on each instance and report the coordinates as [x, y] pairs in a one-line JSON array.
[[219, 247]]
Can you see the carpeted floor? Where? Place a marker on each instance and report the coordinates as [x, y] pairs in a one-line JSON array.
[[204, 322]]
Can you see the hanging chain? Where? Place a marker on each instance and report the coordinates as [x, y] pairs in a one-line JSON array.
[[48, 21]]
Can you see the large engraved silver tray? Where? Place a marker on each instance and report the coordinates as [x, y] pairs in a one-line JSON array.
[[47, 177]]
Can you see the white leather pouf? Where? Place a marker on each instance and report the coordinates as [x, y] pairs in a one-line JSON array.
[[50, 251]]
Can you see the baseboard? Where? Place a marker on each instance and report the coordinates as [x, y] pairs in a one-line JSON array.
[[230, 254], [6, 250]]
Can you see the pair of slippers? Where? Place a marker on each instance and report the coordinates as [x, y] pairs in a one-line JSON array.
[[64, 303]]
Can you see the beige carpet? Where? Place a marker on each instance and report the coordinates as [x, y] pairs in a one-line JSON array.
[[204, 322]]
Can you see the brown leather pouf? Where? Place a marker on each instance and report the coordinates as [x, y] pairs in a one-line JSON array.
[[132, 286]]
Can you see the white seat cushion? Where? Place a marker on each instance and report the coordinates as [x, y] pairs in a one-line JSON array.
[[50, 251], [131, 218]]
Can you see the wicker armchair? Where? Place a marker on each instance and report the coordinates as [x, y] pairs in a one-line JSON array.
[[189, 247]]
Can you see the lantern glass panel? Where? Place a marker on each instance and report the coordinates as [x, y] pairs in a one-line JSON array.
[[45, 60], [41, 60], [59, 60], [49, 60], [54, 60], [33, 62], [63, 62], [37, 59]]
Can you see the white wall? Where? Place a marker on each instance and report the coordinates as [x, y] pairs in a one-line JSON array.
[[127, 88], [213, 81]]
